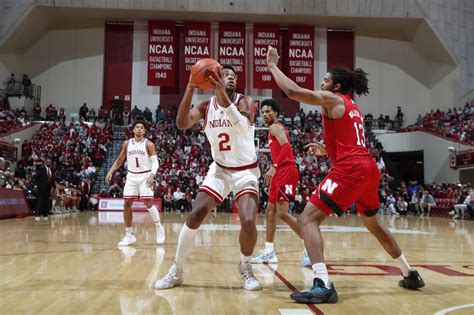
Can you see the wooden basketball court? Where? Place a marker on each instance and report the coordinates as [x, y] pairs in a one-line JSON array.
[[71, 264]]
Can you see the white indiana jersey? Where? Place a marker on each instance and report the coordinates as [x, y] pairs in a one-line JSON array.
[[228, 148], [138, 160]]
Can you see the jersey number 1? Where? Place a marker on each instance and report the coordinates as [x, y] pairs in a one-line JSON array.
[[223, 144], [360, 137], [136, 160]]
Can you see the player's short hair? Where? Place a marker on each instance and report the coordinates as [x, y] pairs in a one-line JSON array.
[[271, 103], [136, 122], [230, 68]]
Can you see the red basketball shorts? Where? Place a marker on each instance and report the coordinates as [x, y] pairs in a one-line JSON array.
[[284, 183], [351, 181]]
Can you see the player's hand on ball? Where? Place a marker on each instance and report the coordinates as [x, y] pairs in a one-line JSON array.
[[217, 78], [190, 82], [272, 56], [316, 148]]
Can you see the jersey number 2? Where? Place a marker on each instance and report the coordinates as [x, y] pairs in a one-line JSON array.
[[223, 144], [361, 135]]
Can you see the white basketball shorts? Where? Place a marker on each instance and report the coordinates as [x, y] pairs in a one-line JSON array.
[[135, 186], [220, 181]]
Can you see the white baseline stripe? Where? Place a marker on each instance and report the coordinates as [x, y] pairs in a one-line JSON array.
[[454, 308]]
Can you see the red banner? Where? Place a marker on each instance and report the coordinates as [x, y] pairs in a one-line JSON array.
[[232, 49], [161, 53], [197, 44], [300, 64], [13, 203], [263, 36]]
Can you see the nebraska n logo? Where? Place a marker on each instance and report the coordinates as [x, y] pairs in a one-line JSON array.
[[288, 189], [329, 186]]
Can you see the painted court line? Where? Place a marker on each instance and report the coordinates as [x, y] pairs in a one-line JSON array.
[[293, 288]]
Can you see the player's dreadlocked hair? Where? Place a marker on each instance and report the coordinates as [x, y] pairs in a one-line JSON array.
[[356, 80]]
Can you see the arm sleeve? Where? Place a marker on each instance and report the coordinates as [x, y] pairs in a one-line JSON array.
[[240, 122], [284, 153], [154, 164]]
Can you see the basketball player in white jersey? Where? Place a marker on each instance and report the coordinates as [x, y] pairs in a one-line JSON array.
[[142, 165], [228, 124]]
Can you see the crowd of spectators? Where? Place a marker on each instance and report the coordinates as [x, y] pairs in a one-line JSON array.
[[455, 124], [12, 120], [76, 149]]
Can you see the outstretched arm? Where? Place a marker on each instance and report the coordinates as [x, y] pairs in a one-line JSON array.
[[118, 162], [295, 92]]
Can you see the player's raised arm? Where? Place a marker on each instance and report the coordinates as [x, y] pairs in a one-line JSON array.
[[295, 92], [187, 116], [118, 162]]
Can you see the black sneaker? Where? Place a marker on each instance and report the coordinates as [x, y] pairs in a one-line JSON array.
[[413, 281], [318, 294]]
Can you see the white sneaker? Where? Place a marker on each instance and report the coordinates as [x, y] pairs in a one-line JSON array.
[[160, 234], [127, 240], [265, 257], [37, 218], [173, 278], [45, 218], [250, 282]]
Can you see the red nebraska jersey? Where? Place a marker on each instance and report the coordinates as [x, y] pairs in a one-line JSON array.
[[275, 148], [345, 137]]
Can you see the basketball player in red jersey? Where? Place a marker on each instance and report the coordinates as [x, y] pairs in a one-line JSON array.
[[282, 177], [353, 178]]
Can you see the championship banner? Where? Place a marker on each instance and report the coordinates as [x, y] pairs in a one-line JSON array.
[[264, 36], [232, 49], [117, 204], [300, 64], [13, 203], [197, 44], [161, 53]]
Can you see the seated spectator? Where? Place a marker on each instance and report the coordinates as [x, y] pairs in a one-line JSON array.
[[426, 202], [178, 199]]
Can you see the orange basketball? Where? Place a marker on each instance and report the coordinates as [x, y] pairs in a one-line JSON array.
[[201, 71]]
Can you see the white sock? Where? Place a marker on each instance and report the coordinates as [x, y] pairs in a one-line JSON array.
[[404, 265], [269, 246], [154, 214], [320, 271], [129, 230], [245, 259], [185, 244]]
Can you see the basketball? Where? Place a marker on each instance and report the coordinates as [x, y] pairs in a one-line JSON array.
[[201, 71]]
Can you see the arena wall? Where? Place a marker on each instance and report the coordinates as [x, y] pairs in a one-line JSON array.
[[436, 154], [67, 64]]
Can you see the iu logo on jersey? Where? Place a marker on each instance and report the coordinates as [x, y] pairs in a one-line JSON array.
[[329, 186]]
